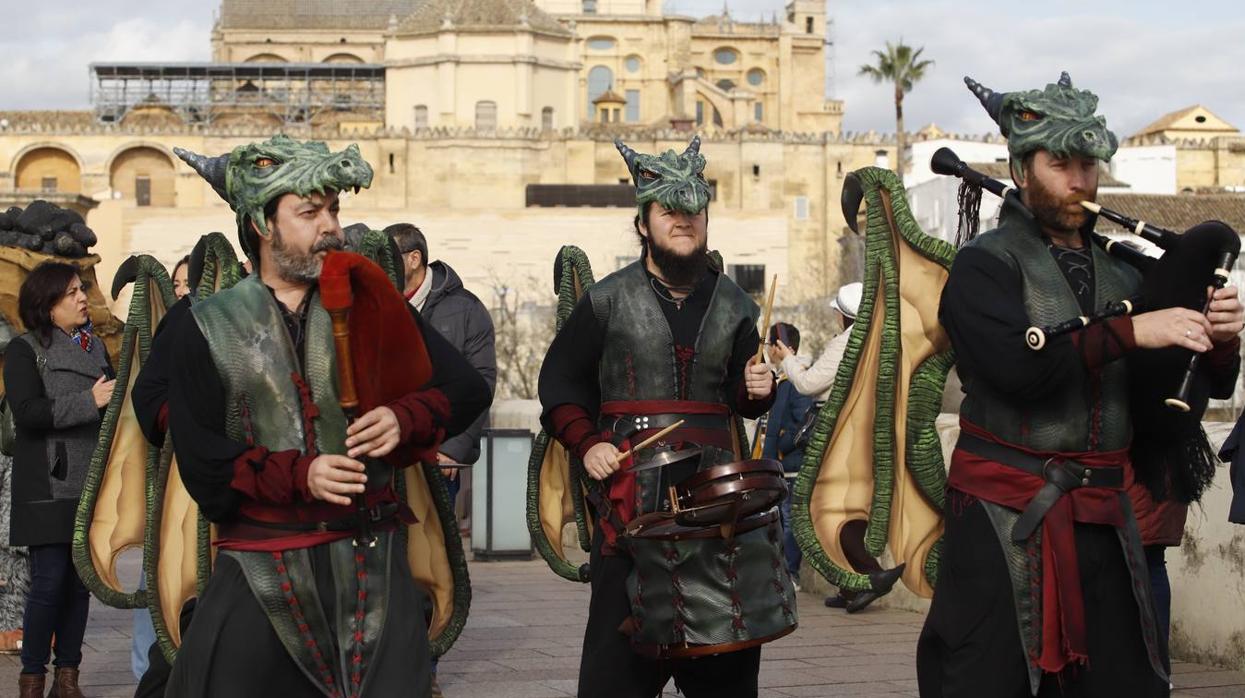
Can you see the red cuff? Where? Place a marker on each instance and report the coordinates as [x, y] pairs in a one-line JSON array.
[[1103, 342], [573, 428], [162, 418], [421, 416], [272, 477]]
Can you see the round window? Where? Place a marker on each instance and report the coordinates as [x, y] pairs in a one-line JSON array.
[[633, 64], [725, 56], [756, 76]]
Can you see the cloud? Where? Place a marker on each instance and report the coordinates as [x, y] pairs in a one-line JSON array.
[[1140, 67], [1142, 59], [47, 62]]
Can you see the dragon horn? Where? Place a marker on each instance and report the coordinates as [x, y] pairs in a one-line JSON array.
[[629, 156], [693, 146], [991, 100], [211, 169], [1065, 80], [126, 274]]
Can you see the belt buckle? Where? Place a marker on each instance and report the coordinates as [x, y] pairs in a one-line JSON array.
[[322, 526], [373, 513], [1084, 477]]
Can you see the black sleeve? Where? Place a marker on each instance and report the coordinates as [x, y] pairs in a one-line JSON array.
[[150, 392], [747, 339], [196, 396], [983, 311], [479, 349], [468, 393], [32, 409], [570, 372]]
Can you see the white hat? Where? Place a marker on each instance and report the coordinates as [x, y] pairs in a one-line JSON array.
[[847, 301]]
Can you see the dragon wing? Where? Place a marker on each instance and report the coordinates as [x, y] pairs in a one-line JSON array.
[[874, 454], [179, 554], [111, 515], [555, 481]]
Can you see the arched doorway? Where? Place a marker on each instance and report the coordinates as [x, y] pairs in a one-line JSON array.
[[144, 174], [48, 169]]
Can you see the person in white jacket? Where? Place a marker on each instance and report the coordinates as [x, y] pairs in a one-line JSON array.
[[816, 380]]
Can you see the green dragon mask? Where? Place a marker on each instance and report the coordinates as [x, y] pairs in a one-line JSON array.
[[252, 175], [674, 180], [1058, 119]]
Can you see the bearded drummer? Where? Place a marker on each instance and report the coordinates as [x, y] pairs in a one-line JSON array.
[[667, 338]]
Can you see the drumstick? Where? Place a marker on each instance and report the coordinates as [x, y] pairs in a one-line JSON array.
[[769, 307], [650, 440]]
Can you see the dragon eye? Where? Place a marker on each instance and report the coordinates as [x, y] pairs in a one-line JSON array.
[[264, 163], [1027, 115], [647, 174]]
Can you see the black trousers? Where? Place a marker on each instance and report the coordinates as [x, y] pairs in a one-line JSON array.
[[57, 604], [608, 668], [970, 645]]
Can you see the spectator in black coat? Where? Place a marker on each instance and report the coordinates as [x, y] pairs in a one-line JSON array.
[[58, 383], [445, 305]]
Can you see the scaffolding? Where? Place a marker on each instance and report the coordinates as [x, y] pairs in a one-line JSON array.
[[201, 93]]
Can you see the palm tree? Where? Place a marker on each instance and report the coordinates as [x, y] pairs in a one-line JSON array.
[[903, 67]]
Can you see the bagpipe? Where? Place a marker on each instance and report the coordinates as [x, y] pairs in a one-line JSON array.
[[1170, 388]]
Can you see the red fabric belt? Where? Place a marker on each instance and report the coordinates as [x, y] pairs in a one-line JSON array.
[[238, 535], [1063, 609]]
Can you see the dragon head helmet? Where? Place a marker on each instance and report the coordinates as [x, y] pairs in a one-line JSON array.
[[675, 180], [252, 175], [1059, 119]]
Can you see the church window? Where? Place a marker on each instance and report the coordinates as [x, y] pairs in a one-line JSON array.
[[601, 43], [47, 184], [758, 111], [700, 113], [725, 85], [600, 78], [590, 7], [725, 56], [633, 64], [756, 76], [546, 118], [486, 115], [633, 105], [801, 208], [808, 25], [421, 116]]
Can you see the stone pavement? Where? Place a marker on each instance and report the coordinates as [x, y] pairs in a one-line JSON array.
[[523, 636]]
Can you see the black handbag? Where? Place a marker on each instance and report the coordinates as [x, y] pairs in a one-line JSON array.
[[805, 432]]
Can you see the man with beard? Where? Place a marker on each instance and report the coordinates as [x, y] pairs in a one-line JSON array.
[[664, 339], [1040, 468], [294, 606]]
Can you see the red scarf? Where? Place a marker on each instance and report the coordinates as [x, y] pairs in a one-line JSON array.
[[1063, 608]]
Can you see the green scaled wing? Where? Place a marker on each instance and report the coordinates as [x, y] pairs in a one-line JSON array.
[[556, 482], [875, 455]]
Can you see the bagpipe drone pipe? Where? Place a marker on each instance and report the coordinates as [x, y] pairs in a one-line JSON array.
[[1170, 388]]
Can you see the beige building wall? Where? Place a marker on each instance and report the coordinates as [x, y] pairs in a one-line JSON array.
[[779, 193], [38, 165]]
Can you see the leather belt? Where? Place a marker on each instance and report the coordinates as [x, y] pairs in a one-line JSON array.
[[377, 514], [1061, 476], [628, 425]]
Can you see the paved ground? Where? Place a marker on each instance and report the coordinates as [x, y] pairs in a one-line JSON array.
[[523, 638]]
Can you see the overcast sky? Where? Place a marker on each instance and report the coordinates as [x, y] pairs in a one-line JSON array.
[[1144, 58]]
